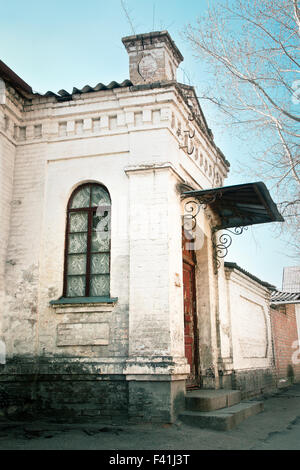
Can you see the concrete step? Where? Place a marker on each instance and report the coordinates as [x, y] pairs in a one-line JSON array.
[[209, 400], [224, 419]]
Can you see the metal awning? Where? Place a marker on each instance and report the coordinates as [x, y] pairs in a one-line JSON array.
[[239, 205]]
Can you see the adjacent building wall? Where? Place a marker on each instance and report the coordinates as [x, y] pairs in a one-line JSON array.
[[252, 350], [286, 342]]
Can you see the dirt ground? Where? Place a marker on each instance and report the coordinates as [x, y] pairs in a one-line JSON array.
[[276, 428]]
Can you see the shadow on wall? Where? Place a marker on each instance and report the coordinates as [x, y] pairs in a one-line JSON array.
[[290, 372]]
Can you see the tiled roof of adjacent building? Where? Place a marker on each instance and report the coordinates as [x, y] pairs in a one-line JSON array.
[[285, 297]]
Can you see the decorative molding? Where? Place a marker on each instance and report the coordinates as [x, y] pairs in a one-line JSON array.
[[152, 167]]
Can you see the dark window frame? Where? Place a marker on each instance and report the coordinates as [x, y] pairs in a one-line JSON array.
[[91, 212]]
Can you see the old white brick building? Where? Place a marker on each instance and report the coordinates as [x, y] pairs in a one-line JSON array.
[[93, 315]]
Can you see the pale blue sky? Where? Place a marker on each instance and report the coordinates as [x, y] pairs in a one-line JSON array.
[[62, 44]]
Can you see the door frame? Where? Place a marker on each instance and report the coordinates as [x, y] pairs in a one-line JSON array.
[[189, 258]]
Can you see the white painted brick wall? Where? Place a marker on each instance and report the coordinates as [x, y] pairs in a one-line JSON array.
[[250, 322], [7, 157], [146, 260]]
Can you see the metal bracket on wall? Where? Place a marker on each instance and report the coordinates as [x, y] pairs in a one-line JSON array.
[[221, 242], [193, 207], [187, 139]]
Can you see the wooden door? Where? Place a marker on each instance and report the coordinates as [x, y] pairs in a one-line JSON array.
[[190, 315]]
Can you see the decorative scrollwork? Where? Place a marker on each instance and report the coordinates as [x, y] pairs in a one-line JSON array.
[[237, 230], [224, 242], [191, 210], [221, 245], [193, 207]]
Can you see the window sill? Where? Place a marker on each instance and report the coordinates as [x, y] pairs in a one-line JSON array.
[[83, 304], [84, 300]]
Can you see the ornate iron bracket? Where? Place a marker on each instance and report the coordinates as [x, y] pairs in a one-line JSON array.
[[222, 242], [203, 200], [193, 207]]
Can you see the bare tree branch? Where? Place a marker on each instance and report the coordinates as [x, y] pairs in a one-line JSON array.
[[251, 52], [127, 14], [297, 14]]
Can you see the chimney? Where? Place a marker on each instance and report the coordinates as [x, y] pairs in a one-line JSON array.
[[153, 57]]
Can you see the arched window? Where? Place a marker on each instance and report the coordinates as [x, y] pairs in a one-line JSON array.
[[87, 251]]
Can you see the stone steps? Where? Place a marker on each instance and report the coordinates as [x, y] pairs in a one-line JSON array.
[[220, 410], [223, 419], [209, 400]]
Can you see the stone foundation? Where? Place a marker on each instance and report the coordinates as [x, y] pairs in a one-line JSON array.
[[77, 394], [254, 382], [251, 382], [156, 401], [73, 391]]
